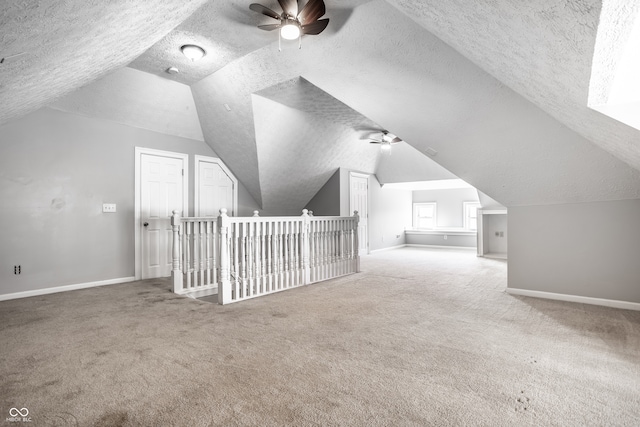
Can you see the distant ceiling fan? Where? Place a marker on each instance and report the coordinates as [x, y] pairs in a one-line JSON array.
[[386, 140], [293, 23]]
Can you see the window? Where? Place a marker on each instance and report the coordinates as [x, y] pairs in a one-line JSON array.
[[471, 215], [424, 216]]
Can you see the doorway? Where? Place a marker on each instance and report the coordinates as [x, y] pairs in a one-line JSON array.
[[359, 201], [216, 188], [161, 187]]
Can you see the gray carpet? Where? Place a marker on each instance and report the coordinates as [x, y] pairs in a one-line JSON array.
[[420, 337]]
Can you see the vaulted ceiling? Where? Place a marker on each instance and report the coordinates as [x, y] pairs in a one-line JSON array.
[[496, 91]]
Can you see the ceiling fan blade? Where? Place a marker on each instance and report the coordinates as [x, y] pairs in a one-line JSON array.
[[315, 27], [264, 10], [269, 27], [290, 7], [311, 11], [394, 140], [375, 142]]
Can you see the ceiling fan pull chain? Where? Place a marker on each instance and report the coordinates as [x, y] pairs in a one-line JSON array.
[[300, 40], [279, 42]]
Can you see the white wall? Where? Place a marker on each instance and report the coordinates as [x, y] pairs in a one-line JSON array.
[[439, 239], [326, 202], [495, 223], [57, 169], [389, 211], [586, 249], [450, 213], [389, 215], [246, 204]]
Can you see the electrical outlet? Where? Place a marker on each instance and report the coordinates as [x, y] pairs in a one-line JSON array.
[[497, 234], [108, 207], [17, 269]]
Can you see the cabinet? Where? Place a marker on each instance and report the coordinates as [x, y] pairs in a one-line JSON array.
[[492, 233]]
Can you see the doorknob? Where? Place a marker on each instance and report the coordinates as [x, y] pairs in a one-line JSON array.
[[146, 224]]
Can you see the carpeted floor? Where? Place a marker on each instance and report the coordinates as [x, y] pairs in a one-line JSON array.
[[420, 337]]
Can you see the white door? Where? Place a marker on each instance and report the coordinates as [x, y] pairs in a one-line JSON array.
[[216, 187], [359, 201], [161, 191]]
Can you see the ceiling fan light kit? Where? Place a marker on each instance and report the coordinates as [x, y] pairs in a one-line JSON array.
[[386, 140], [290, 30], [293, 21]]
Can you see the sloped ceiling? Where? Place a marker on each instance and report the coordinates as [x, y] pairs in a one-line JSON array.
[[499, 89], [68, 44], [406, 164], [302, 136], [543, 50], [137, 99], [226, 29], [421, 89]]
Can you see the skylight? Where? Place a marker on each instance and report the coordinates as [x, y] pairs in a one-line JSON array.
[[622, 99]]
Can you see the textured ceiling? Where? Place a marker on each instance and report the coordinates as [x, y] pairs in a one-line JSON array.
[[406, 164], [419, 88], [543, 50], [209, 28], [226, 29], [499, 88], [302, 136], [71, 43]]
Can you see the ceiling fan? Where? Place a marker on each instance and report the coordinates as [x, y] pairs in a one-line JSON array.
[[386, 140], [293, 22]]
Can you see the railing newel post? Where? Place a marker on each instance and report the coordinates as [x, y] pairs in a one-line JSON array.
[[176, 273], [224, 288], [356, 242], [306, 268], [252, 256]]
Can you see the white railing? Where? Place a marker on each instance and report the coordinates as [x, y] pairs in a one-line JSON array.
[[242, 258]]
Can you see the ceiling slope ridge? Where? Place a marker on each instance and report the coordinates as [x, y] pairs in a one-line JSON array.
[[141, 100], [541, 51], [349, 131], [294, 111], [64, 53], [404, 164], [430, 95], [426, 86]]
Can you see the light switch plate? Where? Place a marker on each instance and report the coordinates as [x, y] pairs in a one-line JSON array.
[[108, 207]]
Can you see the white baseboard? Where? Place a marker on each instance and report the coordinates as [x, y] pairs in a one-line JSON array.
[[205, 291], [45, 291], [468, 248], [387, 249], [576, 298]]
